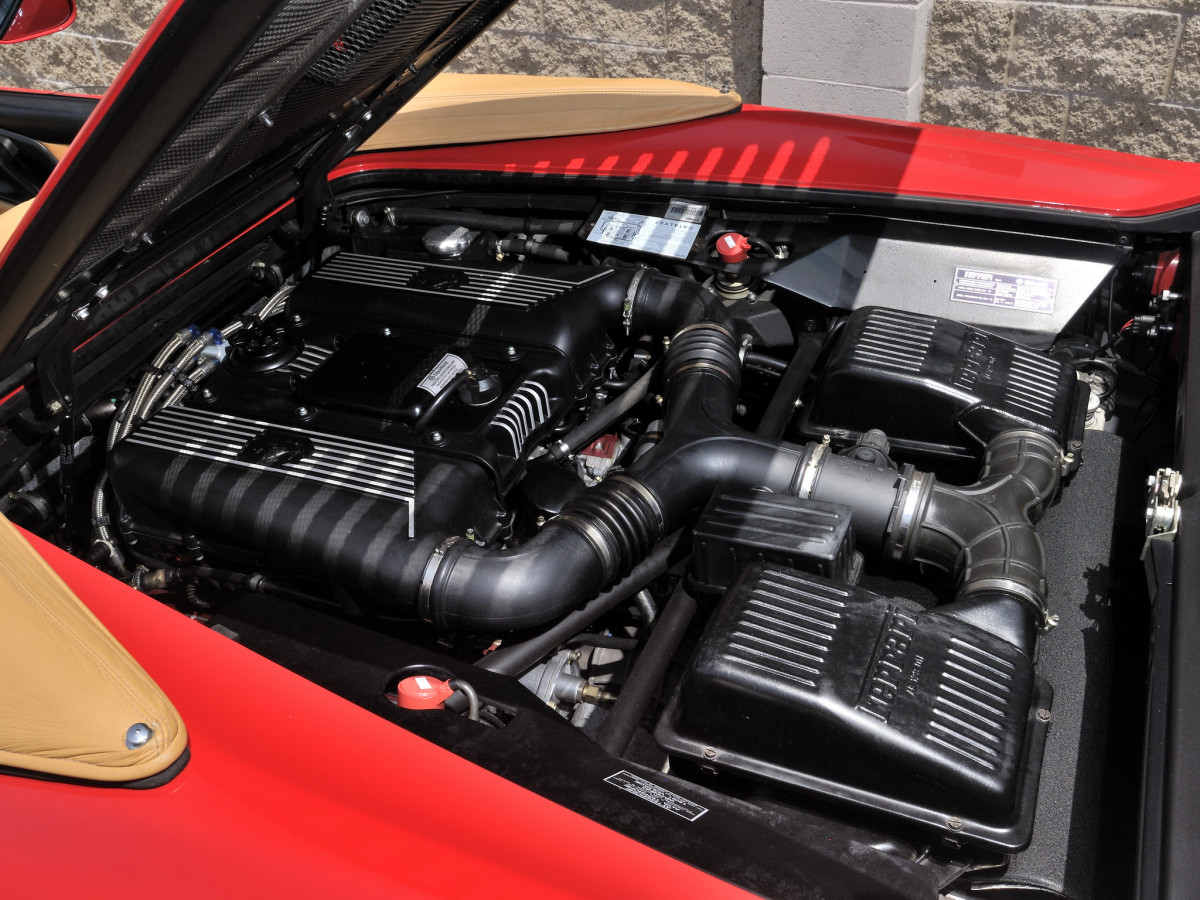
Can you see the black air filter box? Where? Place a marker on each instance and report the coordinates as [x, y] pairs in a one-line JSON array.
[[742, 527], [940, 388], [836, 691]]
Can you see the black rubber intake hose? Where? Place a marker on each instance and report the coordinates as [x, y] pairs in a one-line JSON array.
[[482, 221], [602, 534], [982, 533]]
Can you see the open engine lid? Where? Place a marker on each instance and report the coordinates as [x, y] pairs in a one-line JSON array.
[[221, 100]]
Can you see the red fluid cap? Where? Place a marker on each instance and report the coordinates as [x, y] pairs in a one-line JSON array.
[[733, 247], [422, 692]]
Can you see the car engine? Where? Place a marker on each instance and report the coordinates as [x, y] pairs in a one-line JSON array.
[[784, 513]]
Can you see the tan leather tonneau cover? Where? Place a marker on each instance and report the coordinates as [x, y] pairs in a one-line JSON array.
[[468, 109], [69, 693]]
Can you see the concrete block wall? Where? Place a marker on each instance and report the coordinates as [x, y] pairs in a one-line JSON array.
[[856, 56], [84, 58], [1123, 75], [713, 42]]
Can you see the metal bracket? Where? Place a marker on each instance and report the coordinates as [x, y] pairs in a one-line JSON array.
[[1162, 507]]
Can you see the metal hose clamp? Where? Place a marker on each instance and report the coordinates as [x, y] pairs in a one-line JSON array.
[[429, 574]]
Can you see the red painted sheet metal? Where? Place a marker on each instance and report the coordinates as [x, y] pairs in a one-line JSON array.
[[764, 146], [293, 792]]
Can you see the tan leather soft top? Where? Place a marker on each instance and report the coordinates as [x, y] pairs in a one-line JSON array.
[[468, 109], [69, 693]]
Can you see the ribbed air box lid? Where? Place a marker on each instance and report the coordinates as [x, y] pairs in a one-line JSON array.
[[833, 690], [939, 388]]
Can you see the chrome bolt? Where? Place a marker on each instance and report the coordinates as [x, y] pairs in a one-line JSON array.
[[1043, 715], [541, 520], [954, 823], [511, 352], [54, 407], [436, 437], [362, 218], [303, 412], [710, 752], [138, 735], [385, 332]]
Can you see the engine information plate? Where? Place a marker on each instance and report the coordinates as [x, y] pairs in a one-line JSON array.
[[652, 234], [1019, 292], [659, 796]]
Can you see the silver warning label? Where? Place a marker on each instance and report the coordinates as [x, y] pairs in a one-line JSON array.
[[652, 234], [446, 370], [659, 796], [1027, 293]]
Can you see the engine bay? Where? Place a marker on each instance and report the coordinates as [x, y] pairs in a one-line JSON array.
[[809, 524]]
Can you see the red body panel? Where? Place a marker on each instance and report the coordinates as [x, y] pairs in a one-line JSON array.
[[293, 792], [762, 146], [37, 18]]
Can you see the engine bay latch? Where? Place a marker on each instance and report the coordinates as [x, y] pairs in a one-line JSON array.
[[1162, 507]]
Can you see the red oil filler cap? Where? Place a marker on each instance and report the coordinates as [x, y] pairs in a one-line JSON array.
[[422, 692], [733, 247]]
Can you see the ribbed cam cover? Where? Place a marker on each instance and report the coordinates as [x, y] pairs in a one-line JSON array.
[[833, 690], [940, 388]]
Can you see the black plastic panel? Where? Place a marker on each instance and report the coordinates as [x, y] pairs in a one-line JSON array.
[[834, 690], [739, 528], [939, 388]]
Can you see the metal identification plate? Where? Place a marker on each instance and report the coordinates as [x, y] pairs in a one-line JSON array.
[[1027, 293], [659, 796]]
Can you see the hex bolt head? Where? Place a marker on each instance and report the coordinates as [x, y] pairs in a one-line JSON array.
[[303, 412], [436, 437], [710, 752], [954, 823], [138, 735]]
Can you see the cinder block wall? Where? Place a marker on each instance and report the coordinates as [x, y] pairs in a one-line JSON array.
[[713, 42], [1122, 75], [858, 56], [87, 56]]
